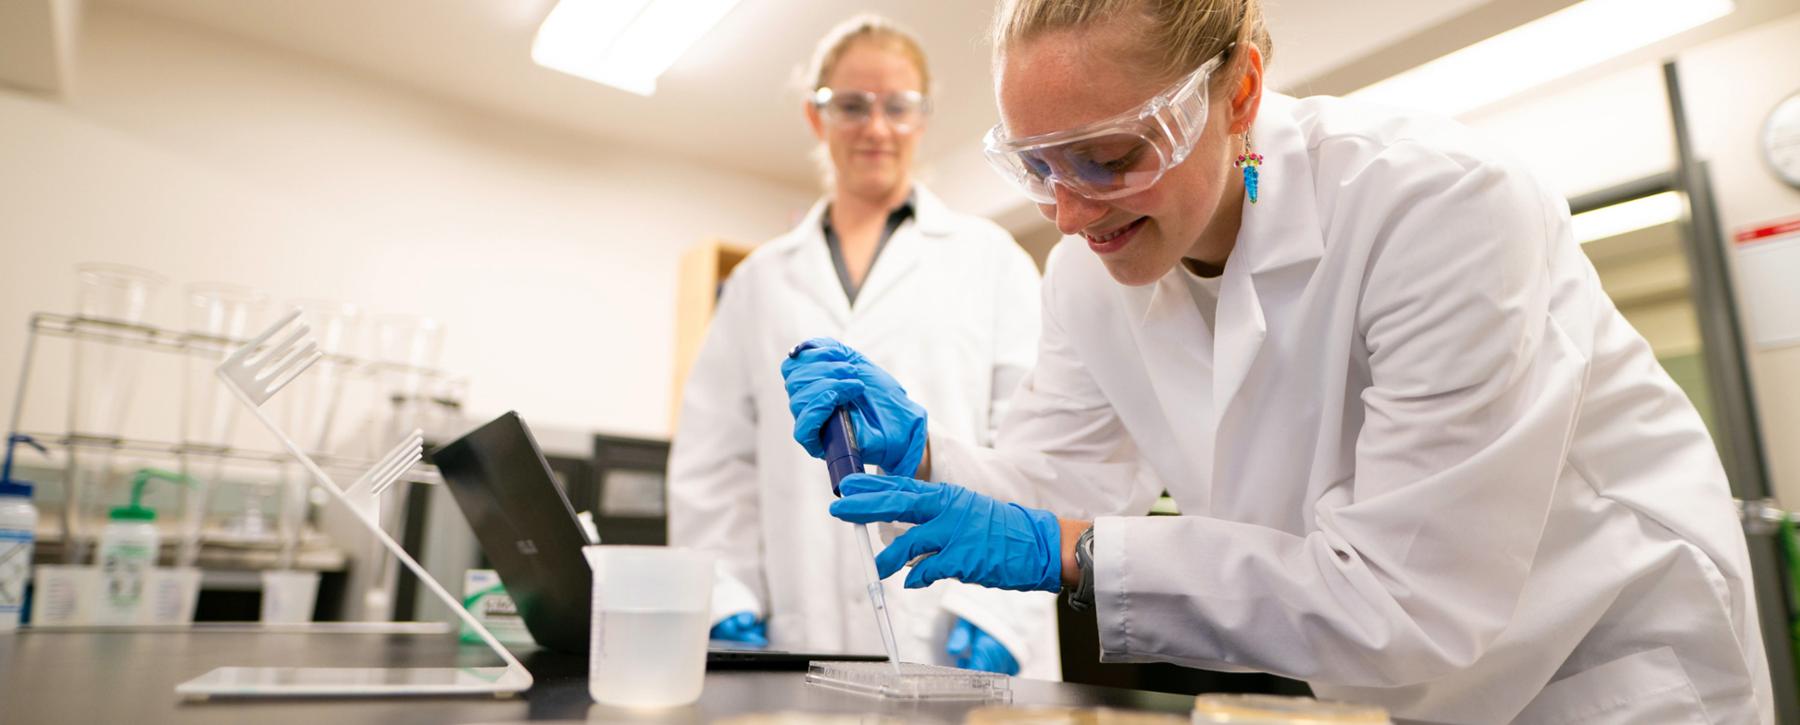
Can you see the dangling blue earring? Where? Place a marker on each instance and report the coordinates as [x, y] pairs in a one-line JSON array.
[[1249, 160]]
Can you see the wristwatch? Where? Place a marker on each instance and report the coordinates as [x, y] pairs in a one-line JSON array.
[[1082, 599]]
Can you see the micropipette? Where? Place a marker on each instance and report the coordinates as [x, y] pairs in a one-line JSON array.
[[843, 458]]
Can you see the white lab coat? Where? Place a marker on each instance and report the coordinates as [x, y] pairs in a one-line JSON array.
[[1423, 462], [950, 308]]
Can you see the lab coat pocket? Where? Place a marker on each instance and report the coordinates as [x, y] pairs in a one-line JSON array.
[[1647, 687]]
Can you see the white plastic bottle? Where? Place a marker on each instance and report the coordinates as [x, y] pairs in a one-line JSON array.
[[128, 547], [18, 532]]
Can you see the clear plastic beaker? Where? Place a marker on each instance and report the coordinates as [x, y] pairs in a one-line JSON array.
[[116, 292], [312, 399], [219, 317], [106, 373], [651, 612], [288, 597], [406, 346]]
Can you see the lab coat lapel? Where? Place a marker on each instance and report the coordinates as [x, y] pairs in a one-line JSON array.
[[1176, 349], [1277, 247], [1242, 329], [812, 275], [904, 251]]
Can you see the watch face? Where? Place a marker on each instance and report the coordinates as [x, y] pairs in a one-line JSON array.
[[1781, 140]]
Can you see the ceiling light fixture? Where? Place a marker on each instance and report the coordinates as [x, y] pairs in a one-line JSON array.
[[1629, 216], [1556, 45], [625, 44]]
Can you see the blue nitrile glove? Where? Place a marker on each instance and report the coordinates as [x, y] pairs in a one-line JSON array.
[[742, 627], [823, 375], [973, 649], [970, 537]]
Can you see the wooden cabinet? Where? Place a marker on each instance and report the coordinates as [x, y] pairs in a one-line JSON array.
[[702, 274]]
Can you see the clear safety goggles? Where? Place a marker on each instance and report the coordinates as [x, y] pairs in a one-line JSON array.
[[904, 110], [1111, 158]]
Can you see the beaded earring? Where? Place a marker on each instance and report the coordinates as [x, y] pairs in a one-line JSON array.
[[1249, 160]]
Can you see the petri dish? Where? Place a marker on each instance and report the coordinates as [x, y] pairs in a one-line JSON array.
[[912, 681]]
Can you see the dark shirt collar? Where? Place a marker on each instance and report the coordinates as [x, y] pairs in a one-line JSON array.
[[895, 218]]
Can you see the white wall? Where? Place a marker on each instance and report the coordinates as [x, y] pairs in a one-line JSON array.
[[549, 257], [1584, 138], [1730, 86]]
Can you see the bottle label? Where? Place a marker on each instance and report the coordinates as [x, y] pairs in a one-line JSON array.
[[123, 569], [15, 568]]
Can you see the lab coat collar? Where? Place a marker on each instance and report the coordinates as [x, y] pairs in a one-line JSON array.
[[929, 213], [904, 251], [1282, 229], [814, 273], [1278, 245], [810, 271], [1280, 235]]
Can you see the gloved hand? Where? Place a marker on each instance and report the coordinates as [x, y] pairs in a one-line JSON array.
[[970, 537], [823, 375], [973, 649], [742, 627]]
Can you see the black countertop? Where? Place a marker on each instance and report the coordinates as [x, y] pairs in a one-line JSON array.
[[108, 677]]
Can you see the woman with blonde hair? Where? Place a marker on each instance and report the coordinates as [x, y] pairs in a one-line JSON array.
[[947, 301], [1422, 460]]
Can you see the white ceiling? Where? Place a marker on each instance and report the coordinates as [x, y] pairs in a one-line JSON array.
[[730, 101]]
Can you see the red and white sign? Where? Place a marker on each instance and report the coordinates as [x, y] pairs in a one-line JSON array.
[[1768, 280], [1752, 235]]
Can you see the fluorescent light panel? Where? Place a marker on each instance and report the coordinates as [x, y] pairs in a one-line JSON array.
[[1629, 216], [1543, 50], [625, 44]]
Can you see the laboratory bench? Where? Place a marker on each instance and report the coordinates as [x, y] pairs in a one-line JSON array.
[[108, 677]]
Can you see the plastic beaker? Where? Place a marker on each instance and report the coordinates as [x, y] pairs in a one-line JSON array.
[[218, 319], [312, 399], [106, 373], [651, 612], [116, 292], [406, 346], [288, 596]]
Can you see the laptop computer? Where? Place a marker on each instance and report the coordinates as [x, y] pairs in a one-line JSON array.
[[525, 525]]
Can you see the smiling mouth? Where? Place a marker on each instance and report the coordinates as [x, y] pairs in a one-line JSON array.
[[1117, 232]]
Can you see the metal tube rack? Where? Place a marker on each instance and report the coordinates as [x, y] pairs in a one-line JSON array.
[[161, 340]]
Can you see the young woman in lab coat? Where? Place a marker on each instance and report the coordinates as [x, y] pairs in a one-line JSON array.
[[946, 301], [1422, 460]]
